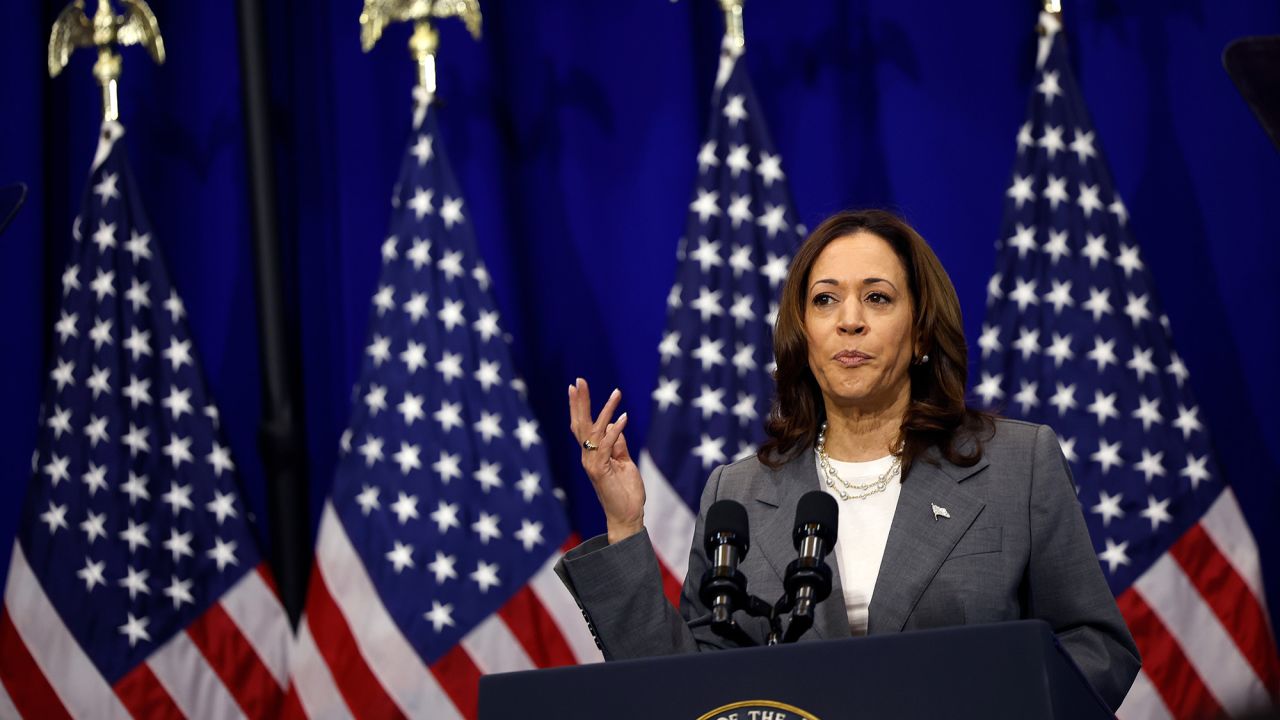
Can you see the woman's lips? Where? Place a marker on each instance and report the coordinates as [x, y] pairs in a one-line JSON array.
[[852, 358]]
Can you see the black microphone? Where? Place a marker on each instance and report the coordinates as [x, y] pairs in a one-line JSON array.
[[724, 588], [808, 577]]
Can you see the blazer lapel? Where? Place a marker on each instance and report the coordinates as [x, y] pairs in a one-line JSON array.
[[919, 540], [782, 491]]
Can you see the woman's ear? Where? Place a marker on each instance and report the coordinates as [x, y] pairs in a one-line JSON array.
[[920, 349]]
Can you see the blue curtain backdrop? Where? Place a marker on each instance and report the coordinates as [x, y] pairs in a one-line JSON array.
[[573, 128]]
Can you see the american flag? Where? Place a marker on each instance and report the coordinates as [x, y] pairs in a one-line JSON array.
[[434, 557], [1074, 337], [135, 586], [715, 383]]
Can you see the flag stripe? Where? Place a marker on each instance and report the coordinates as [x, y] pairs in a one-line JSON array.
[[1208, 647], [531, 624], [359, 686], [257, 612], [233, 659], [145, 697], [460, 678], [560, 605], [292, 708], [26, 686], [314, 692], [264, 571], [82, 689], [1143, 702], [1182, 690], [1225, 524], [8, 709], [1229, 598], [670, 522], [671, 527], [493, 648], [191, 682], [392, 660], [672, 587]]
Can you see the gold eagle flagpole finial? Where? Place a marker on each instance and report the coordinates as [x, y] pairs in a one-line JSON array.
[[378, 14], [73, 29]]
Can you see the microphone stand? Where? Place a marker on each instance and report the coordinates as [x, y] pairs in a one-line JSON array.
[[801, 609]]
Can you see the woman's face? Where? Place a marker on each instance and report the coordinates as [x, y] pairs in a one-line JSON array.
[[857, 318]]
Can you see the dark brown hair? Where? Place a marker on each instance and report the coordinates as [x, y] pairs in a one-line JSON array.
[[937, 414]]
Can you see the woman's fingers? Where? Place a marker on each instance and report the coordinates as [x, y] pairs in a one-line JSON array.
[[606, 413], [575, 419], [605, 435], [580, 410], [611, 434], [618, 449]]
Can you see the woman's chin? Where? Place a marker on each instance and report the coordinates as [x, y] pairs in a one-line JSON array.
[[858, 397], [851, 399]]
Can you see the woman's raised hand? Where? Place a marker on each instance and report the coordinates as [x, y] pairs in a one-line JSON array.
[[605, 458]]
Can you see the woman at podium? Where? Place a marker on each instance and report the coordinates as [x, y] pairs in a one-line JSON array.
[[947, 515]]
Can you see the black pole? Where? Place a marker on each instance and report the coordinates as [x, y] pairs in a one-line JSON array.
[[280, 437]]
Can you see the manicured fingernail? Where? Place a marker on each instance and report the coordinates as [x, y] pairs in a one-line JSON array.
[[614, 393], [622, 417]]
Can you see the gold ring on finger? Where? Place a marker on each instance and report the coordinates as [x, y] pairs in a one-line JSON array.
[[588, 445]]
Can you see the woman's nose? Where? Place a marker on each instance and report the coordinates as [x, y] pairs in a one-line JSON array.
[[851, 321]]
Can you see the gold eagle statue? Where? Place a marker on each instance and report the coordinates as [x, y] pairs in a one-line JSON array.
[[73, 29], [378, 14]]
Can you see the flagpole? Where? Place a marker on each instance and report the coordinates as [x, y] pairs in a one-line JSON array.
[[281, 433], [733, 25]]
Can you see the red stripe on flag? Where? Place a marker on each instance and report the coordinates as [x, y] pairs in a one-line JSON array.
[[460, 678], [359, 686], [1163, 660], [236, 663], [1232, 601], [671, 585], [144, 696], [265, 571], [529, 621], [27, 686], [292, 708]]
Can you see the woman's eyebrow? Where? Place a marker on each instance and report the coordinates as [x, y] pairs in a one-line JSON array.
[[867, 281], [874, 280]]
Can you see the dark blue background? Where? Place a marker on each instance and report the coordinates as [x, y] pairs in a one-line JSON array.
[[573, 127]]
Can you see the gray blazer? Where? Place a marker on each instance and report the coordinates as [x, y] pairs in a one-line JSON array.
[[1015, 546]]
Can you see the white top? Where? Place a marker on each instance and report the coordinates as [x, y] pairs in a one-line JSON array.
[[863, 532]]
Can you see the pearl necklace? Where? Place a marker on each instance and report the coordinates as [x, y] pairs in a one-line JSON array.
[[845, 489]]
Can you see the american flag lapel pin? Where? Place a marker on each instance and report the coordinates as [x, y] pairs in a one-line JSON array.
[[939, 512]]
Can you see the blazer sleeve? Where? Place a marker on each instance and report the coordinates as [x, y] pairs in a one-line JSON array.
[[1065, 583], [619, 590]]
